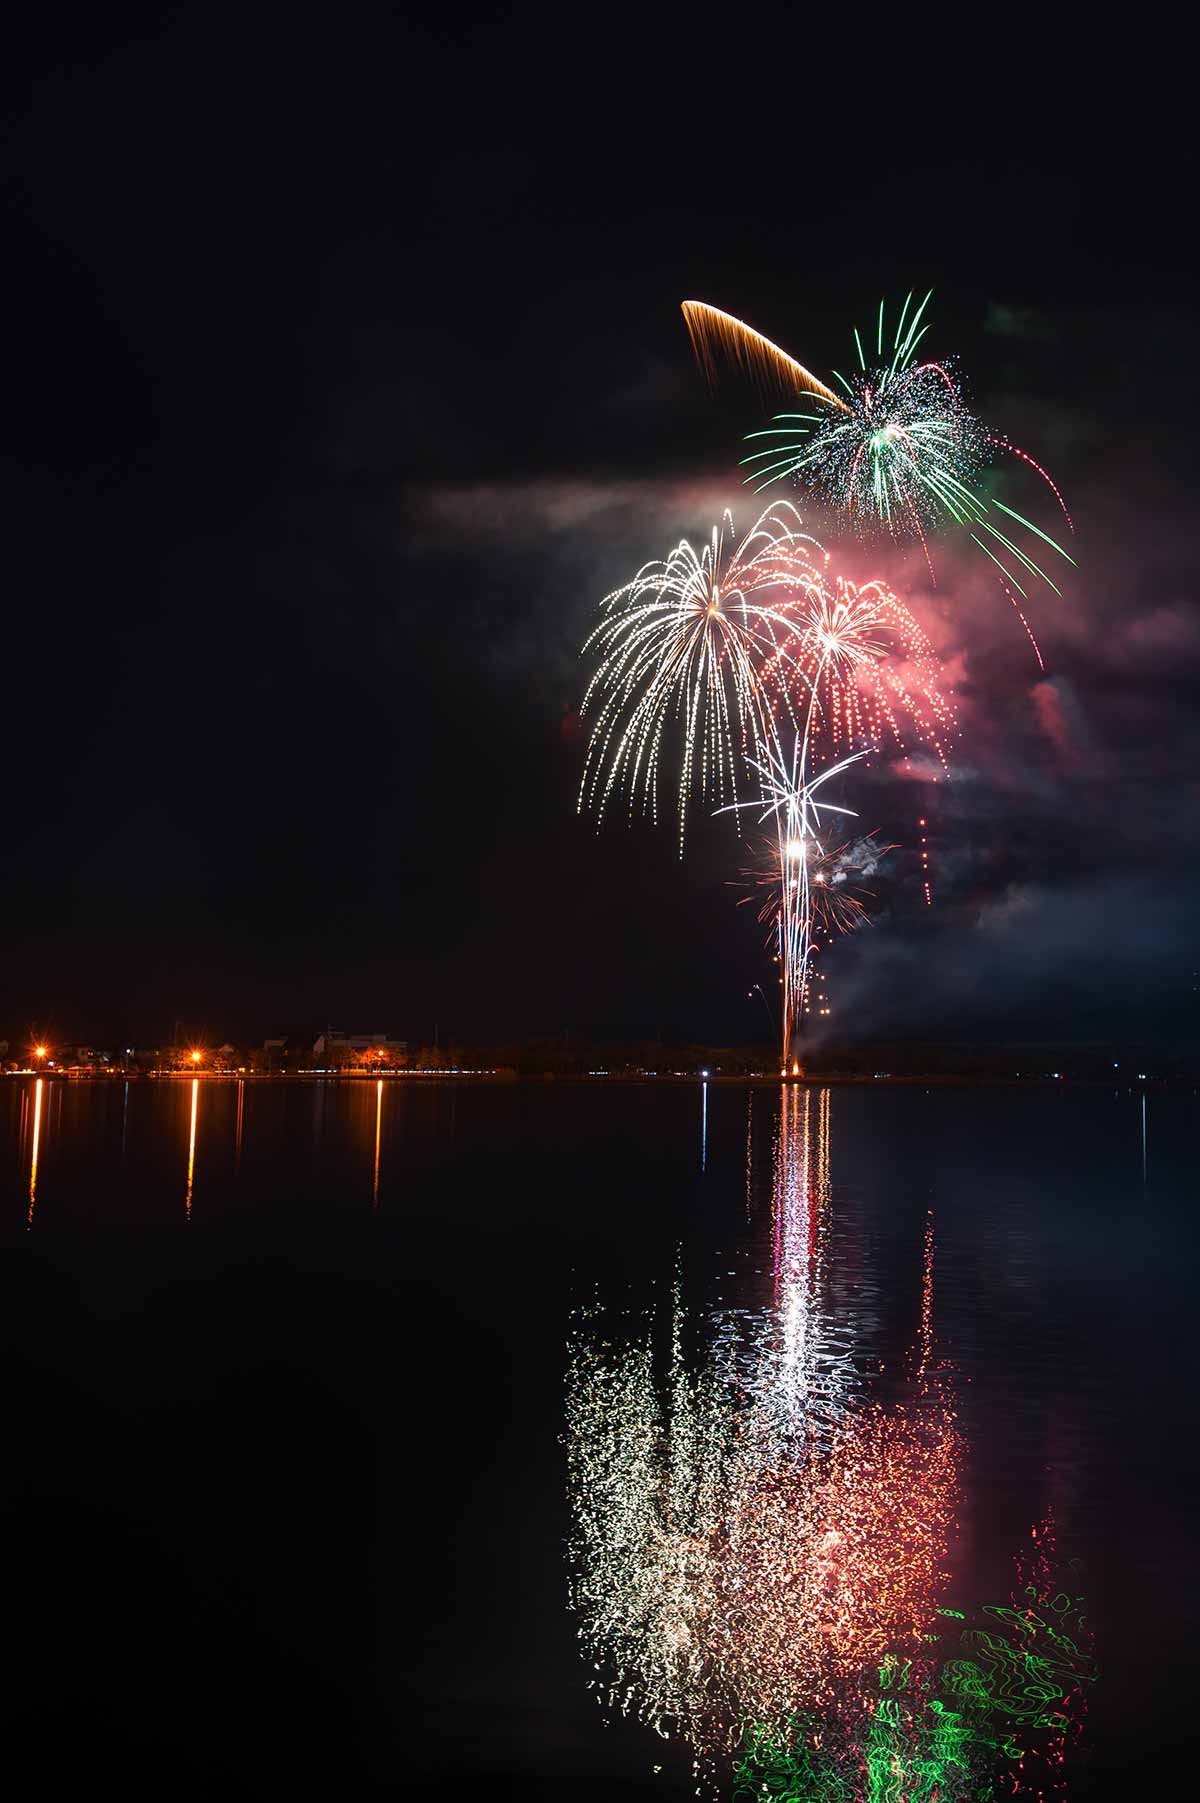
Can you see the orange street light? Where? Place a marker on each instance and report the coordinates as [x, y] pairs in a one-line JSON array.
[[195, 1057], [39, 1051]]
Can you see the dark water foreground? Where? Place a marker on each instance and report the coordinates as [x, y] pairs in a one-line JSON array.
[[284, 1496]]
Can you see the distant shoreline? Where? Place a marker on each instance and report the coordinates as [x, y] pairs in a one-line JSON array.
[[678, 1079]]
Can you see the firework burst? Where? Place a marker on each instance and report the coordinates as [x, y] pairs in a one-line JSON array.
[[681, 647], [837, 877], [898, 450], [871, 675]]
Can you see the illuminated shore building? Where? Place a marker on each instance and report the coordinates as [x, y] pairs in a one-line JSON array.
[[325, 1049], [359, 1051]]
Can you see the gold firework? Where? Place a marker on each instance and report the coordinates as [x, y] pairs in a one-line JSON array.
[[718, 336]]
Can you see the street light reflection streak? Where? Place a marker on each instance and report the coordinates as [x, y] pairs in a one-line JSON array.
[[378, 1119], [33, 1161], [237, 1143], [192, 1148]]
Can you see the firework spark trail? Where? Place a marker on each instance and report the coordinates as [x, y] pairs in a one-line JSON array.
[[1005, 444], [745, 1539], [900, 452], [716, 336], [837, 895]]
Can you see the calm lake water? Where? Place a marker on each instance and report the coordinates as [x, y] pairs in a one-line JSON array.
[[287, 1370]]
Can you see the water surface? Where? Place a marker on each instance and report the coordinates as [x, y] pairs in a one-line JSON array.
[[284, 1384]]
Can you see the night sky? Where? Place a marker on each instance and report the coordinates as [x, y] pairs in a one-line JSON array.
[[344, 376]]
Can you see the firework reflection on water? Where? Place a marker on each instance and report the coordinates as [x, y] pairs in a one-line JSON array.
[[752, 1527]]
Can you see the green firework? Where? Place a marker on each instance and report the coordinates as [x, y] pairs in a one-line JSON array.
[[900, 451]]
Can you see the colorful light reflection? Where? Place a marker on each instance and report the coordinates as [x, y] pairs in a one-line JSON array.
[[991, 1709], [749, 1535]]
